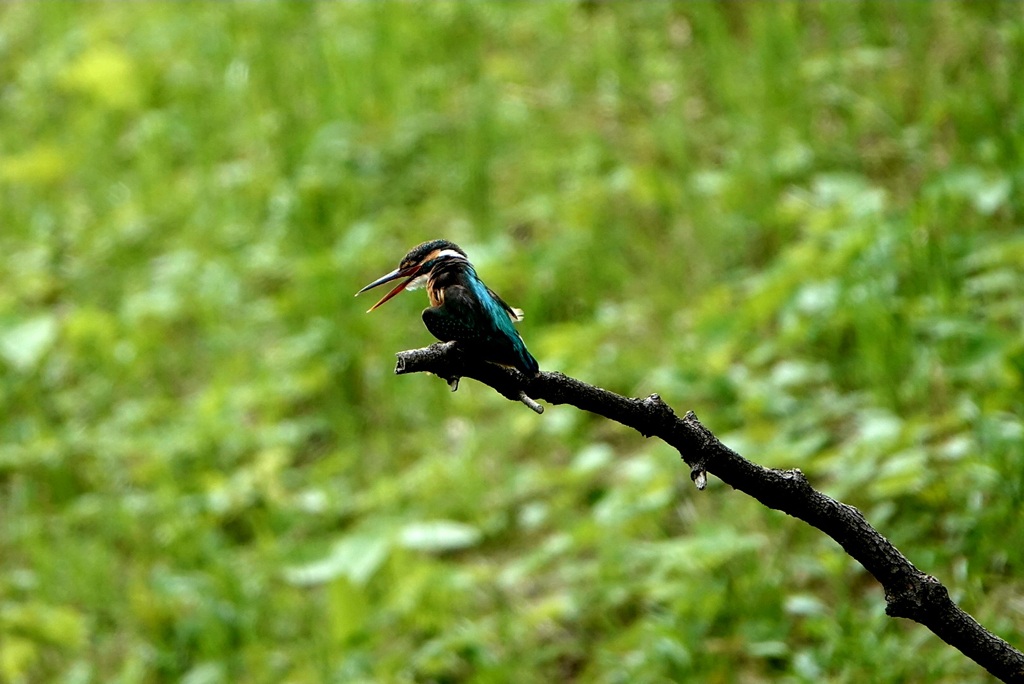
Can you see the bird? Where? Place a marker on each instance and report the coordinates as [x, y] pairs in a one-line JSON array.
[[462, 308]]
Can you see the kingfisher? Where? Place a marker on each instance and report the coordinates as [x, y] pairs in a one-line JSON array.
[[462, 308]]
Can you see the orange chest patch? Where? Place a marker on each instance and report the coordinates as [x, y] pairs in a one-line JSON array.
[[435, 294]]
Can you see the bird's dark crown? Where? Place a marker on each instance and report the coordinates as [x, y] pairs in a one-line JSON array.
[[422, 253]]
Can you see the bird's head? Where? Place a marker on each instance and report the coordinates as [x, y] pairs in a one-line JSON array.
[[415, 267]]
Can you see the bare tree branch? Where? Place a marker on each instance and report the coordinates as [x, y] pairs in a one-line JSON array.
[[909, 593]]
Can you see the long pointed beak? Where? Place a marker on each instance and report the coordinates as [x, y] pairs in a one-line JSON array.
[[411, 271]]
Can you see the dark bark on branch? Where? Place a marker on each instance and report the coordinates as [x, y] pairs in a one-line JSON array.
[[909, 593]]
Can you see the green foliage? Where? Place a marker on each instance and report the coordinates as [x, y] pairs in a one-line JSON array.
[[802, 221]]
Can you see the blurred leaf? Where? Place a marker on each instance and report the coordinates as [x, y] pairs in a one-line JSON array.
[[768, 649], [439, 536], [40, 164], [987, 192], [205, 673], [902, 473], [57, 625], [355, 557], [804, 604], [25, 344], [17, 657], [593, 457], [105, 72], [348, 608]]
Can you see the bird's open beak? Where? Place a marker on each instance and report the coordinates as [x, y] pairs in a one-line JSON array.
[[409, 273]]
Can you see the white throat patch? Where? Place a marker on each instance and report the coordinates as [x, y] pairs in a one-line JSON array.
[[418, 282]]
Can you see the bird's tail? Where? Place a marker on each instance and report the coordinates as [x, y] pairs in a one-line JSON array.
[[526, 363]]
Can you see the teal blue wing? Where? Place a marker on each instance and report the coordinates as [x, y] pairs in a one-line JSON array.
[[513, 313], [500, 316], [475, 315]]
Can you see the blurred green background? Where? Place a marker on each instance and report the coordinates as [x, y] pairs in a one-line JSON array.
[[804, 222]]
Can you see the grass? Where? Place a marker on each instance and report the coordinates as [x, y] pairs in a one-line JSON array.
[[801, 221]]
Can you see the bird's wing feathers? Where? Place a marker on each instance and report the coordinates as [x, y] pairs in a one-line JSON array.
[[513, 313], [463, 305], [474, 314]]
